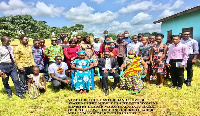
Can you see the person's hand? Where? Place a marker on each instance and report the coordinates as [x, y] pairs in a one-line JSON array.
[[121, 68], [113, 70], [81, 69], [105, 71], [158, 62], [193, 61], [145, 71], [1, 73], [21, 69], [168, 65], [72, 58], [85, 69], [181, 66], [65, 82]]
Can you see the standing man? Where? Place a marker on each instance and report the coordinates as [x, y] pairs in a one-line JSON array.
[[24, 61], [177, 58], [126, 38], [102, 39], [134, 45], [7, 67], [62, 37], [38, 55], [108, 66], [193, 52], [53, 50], [122, 49]]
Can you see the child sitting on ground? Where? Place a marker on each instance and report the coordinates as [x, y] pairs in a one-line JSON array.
[[36, 83]]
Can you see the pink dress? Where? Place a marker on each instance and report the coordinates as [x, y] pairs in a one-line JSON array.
[[70, 53]]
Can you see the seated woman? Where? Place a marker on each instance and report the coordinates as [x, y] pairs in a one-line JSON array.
[[131, 78], [36, 83], [82, 79]]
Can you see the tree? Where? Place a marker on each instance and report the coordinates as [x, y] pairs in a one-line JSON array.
[[113, 36]]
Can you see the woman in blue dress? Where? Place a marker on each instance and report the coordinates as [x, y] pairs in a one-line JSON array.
[[82, 79]]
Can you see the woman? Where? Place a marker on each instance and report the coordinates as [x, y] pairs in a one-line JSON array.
[[65, 42], [89, 49], [82, 79], [131, 78], [104, 46], [157, 58], [70, 52]]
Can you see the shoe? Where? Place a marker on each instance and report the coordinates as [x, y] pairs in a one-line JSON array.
[[84, 91], [135, 92], [9, 96], [107, 92], [178, 88], [173, 86], [21, 96], [112, 89], [188, 84]]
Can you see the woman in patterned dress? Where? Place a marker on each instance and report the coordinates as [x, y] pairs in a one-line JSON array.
[[131, 78], [82, 79], [158, 59], [89, 49], [36, 83]]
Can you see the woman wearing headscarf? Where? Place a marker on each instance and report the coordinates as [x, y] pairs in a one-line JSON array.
[[82, 79], [135, 67]]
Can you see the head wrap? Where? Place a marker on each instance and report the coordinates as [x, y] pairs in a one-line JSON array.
[[81, 52], [132, 51]]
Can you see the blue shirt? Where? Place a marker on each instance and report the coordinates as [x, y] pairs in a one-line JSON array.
[[128, 40], [192, 45]]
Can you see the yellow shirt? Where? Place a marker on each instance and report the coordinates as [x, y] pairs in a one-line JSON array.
[[23, 56]]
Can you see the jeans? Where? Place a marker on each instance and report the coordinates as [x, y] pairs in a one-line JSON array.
[[11, 70], [46, 75]]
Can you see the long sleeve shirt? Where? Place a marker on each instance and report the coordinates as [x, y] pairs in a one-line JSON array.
[[192, 45], [52, 51], [4, 54], [121, 47], [179, 51], [23, 56]]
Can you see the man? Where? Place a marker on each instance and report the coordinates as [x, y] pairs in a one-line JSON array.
[[7, 67], [140, 36], [121, 47], [177, 58], [53, 50], [58, 72], [38, 55], [24, 61], [193, 52], [108, 66], [134, 45], [102, 39], [45, 59], [126, 38], [62, 37]]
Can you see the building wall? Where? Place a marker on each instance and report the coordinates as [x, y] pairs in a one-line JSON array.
[[183, 21]]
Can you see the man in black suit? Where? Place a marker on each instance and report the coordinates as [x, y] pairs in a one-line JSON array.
[[108, 66]]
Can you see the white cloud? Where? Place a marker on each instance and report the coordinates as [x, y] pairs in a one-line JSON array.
[[98, 1], [177, 5], [140, 18], [150, 28], [18, 7], [166, 13], [83, 14], [120, 1], [141, 6], [118, 27]]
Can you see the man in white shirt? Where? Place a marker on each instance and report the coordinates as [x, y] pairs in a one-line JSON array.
[[134, 45], [108, 66], [58, 72]]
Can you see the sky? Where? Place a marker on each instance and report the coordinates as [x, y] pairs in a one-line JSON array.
[[116, 16]]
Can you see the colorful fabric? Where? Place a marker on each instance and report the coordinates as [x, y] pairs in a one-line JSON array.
[[121, 47], [36, 84], [144, 51], [82, 79], [23, 56], [45, 58], [52, 51], [131, 78], [158, 52], [81, 52], [70, 53], [38, 57]]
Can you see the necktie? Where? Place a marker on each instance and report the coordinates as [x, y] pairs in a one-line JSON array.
[[11, 58]]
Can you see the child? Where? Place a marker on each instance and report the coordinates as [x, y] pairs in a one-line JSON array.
[[97, 47], [113, 50], [70, 52], [105, 45], [36, 83]]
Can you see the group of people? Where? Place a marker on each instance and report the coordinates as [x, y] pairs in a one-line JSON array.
[[137, 57]]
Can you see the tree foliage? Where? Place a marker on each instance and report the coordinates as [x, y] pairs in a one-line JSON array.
[[14, 26]]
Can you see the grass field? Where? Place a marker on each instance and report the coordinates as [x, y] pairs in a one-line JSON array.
[[172, 102]]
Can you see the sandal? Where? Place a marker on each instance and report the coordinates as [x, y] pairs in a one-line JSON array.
[[135, 92], [81, 91]]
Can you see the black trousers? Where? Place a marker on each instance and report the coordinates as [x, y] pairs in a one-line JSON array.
[[11, 70], [120, 61], [189, 68], [105, 79], [24, 79], [177, 74]]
